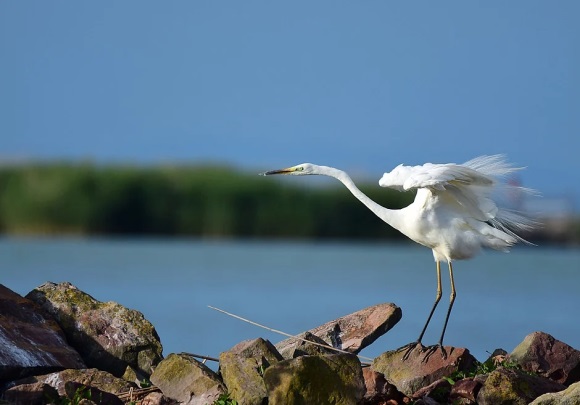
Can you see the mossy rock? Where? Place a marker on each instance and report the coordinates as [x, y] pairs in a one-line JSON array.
[[181, 377], [334, 379], [514, 387], [107, 335], [242, 368]]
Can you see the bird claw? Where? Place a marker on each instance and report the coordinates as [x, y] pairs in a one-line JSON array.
[[432, 349], [408, 348]]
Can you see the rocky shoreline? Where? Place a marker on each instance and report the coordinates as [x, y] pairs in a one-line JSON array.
[[59, 345]]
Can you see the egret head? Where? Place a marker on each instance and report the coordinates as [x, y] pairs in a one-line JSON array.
[[298, 170]]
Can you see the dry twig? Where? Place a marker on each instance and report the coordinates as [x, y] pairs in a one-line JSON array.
[[285, 334]]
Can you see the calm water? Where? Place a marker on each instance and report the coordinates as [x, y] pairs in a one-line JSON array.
[[296, 286]]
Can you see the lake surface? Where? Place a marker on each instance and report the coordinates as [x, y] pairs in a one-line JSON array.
[[295, 286]]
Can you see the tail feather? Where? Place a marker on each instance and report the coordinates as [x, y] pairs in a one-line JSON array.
[[511, 222]]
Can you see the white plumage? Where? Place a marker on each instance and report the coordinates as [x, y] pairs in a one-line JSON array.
[[454, 212]]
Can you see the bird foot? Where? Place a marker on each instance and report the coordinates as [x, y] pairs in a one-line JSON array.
[[408, 348], [430, 350]]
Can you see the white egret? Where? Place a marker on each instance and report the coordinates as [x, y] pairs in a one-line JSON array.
[[453, 213]]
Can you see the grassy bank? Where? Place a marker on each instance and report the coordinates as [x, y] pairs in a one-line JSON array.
[[184, 200]]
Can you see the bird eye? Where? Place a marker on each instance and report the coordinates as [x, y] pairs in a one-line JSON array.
[[299, 169]]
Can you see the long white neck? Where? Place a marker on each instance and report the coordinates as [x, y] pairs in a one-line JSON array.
[[391, 217]]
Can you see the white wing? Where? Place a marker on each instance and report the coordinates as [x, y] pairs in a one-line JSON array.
[[433, 176], [471, 184]]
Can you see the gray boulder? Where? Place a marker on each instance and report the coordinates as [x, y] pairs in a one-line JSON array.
[[353, 332], [569, 396], [107, 335], [30, 341], [182, 378], [540, 353], [242, 368], [332, 379]]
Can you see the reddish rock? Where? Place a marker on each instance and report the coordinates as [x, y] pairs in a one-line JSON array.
[[30, 341], [540, 353], [468, 388], [354, 332], [379, 390], [438, 390], [421, 368]]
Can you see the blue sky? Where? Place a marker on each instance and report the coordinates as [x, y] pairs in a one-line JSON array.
[[362, 86]]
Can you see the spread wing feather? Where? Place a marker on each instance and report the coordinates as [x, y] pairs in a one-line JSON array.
[[471, 184]]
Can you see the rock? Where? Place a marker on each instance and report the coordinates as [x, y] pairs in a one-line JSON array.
[[30, 342], [542, 354], [354, 332], [466, 389], [331, 379], [76, 392], [293, 347], [242, 368], [426, 401], [31, 394], [438, 390], [570, 396], [107, 335], [156, 398], [94, 378], [418, 371], [182, 378], [514, 387], [379, 390]]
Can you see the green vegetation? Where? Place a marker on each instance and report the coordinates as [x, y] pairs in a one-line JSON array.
[[182, 201], [480, 368], [79, 395], [225, 399]]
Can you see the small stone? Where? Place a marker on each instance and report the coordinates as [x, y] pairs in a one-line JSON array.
[[155, 398], [543, 354]]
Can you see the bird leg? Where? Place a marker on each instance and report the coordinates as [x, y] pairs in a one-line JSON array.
[[433, 349], [451, 301], [409, 347]]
